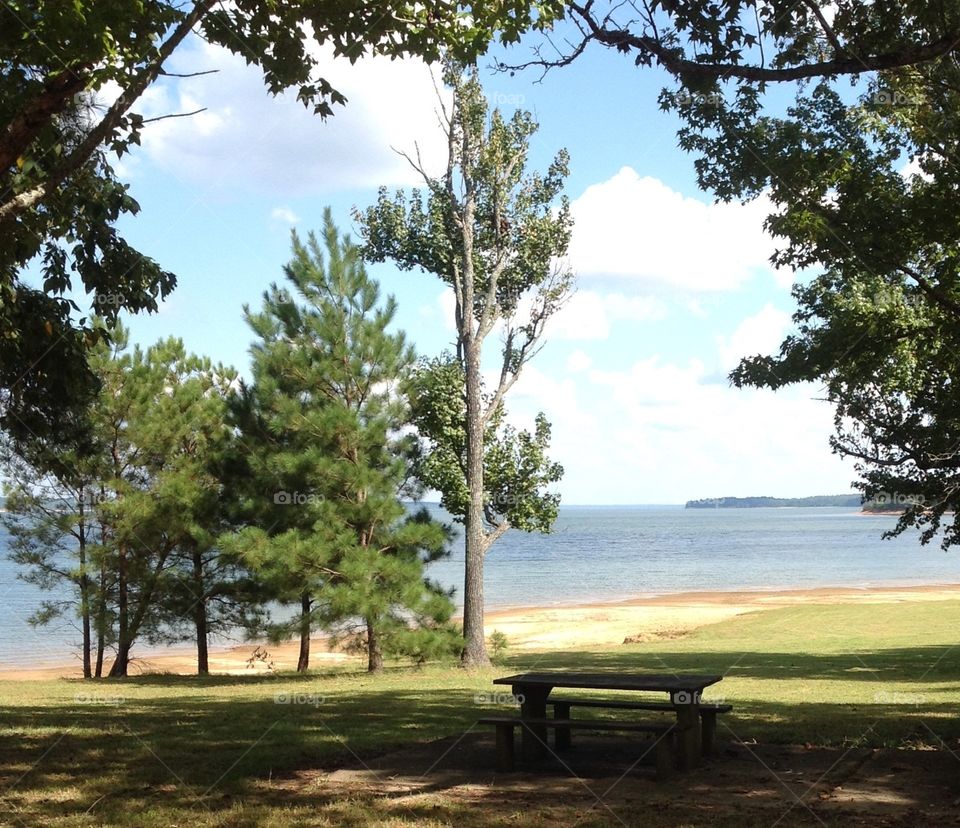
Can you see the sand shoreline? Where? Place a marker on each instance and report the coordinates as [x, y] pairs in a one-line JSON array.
[[595, 623]]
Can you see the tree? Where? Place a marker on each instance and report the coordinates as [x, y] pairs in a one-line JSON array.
[[879, 323], [702, 42], [517, 472], [382, 604], [112, 515], [207, 593], [322, 438], [59, 197], [184, 438], [877, 320], [55, 535], [162, 417], [489, 230]]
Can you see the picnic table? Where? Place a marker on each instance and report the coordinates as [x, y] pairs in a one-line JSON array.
[[533, 691]]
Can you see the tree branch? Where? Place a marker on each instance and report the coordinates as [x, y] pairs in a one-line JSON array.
[[620, 38], [174, 115], [13, 207], [831, 35], [934, 293], [58, 92]]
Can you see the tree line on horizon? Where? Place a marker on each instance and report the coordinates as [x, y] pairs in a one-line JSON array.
[[846, 500]]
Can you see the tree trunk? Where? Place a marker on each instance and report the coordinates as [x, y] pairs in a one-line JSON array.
[[101, 620], [303, 663], [101, 648], [374, 651], [122, 660], [130, 627], [474, 645], [84, 599], [200, 615]]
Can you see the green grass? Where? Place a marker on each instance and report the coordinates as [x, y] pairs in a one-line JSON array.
[[168, 750]]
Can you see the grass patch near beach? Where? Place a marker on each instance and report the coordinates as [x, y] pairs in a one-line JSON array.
[[178, 750]]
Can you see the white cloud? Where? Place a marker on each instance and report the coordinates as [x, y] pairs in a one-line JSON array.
[[662, 433], [578, 361], [912, 168], [447, 307], [587, 315], [583, 317], [761, 333], [662, 430], [638, 228], [246, 139], [284, 214], [536, 391]]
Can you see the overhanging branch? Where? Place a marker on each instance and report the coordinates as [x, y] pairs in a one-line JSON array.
[[651, 48]]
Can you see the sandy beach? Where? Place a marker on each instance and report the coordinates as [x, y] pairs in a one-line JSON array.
[[543, 628]]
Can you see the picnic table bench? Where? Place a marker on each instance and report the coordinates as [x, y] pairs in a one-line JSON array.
[[532, 690], [708, 715], [665, 746]]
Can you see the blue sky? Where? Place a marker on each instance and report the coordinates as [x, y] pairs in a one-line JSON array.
[[672, 289]]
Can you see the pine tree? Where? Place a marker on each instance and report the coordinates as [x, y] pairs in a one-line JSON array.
[[328, 464], [162, 418], [55, 535], [127, 513]]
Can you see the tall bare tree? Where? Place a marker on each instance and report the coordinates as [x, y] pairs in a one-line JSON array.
[[494, 233]]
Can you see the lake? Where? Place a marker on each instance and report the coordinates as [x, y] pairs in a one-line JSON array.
[[608, 553]]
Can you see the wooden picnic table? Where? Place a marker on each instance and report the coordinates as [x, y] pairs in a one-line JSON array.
[[533, 690]]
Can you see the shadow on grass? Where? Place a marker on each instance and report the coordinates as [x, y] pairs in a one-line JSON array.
[[201, 749], [911, 664], [182, 752]]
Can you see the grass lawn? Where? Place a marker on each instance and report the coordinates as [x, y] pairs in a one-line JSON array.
[[172, 750]]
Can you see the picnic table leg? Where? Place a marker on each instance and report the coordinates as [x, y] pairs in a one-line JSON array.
[[505, 747], [666, 755], [708, 731], [533, 740], [561, 735], [688, 718]]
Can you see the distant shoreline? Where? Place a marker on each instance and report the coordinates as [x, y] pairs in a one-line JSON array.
[[842, 501]]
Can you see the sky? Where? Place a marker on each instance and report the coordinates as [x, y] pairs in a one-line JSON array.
[[672, 289]]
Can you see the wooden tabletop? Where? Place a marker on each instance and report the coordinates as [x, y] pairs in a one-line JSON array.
[[662, 682]]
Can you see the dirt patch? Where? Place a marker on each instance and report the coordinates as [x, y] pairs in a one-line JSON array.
[[605, 780], [665, 634]]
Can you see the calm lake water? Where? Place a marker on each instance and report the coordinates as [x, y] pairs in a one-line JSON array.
[[606, 553]]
